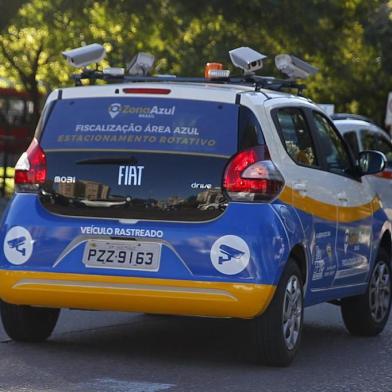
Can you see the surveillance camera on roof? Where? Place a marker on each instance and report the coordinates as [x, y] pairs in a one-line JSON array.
[[294, 67], [247, 59], [141, 64], [85, 55]]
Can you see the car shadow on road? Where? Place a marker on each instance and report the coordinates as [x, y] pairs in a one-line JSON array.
[[193, 354], [199, 342]]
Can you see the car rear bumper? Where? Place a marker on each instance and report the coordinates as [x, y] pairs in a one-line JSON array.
[[164, 296]]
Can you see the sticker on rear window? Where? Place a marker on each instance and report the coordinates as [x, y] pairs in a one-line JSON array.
[[143, 124]]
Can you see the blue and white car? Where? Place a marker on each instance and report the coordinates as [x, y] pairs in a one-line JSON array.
[[106, 212]]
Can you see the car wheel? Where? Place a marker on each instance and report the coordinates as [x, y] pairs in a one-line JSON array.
[[367, 314], [279, 328], [26, 323]]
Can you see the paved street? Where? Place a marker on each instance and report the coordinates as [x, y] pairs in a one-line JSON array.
[[113, 352]]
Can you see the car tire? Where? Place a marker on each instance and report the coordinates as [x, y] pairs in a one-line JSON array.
[[279, 328], [367, 314], [26, 323]]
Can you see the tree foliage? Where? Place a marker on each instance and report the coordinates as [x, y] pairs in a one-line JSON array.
[[348, 40]]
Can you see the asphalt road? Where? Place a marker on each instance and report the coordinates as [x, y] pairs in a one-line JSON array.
[[118, 352]]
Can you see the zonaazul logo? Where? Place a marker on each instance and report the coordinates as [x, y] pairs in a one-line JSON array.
[[114, 109], [142, 111]]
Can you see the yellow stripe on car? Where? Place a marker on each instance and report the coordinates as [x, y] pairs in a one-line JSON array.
[[166, 296], [328, 211]]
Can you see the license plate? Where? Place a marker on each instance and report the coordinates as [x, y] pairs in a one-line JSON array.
[[132, 255]]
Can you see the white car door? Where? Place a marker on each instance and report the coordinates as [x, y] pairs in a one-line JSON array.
[[356, 201], [310, 190]]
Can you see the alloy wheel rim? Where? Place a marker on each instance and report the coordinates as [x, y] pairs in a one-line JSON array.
[[380, 292], [292, 312]]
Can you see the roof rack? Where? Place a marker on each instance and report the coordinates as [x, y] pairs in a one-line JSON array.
[[247, 59], [255, 81]]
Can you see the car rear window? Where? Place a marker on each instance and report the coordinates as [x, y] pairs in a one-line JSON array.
[[144, 124]]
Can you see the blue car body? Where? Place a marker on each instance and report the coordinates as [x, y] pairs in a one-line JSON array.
[[256, 238]]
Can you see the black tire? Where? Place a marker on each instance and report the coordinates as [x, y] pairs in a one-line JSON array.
[[26, 323], [271, 345], [359, 316]]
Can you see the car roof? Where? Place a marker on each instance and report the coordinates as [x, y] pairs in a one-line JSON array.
[[353, 122], [352, 116], [350, 124]]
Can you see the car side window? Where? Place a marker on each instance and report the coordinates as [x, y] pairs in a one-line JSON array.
[[296, 136], [332, 146], [352, 140], [371, 141]]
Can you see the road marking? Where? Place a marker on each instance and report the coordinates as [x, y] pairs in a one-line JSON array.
[[113, 385], [101, 384]]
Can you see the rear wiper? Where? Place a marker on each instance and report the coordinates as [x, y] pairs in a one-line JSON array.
[[101, 203], [121, 201]]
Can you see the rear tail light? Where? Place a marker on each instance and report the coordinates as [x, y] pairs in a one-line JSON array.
[[252, 176], [30, 170]]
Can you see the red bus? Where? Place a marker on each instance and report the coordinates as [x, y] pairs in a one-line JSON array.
[[16, 123]]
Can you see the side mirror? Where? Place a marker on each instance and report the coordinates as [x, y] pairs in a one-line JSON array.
[[371, 162]]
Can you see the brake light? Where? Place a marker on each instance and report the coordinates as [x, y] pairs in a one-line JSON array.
[[252, 176], [162, 91], [30, 170]]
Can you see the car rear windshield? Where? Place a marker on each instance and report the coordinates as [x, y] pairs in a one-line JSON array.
[[178, 148], [143, 124]]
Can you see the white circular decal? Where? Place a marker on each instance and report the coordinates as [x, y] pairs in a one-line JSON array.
[[18, 245], [230, 254]]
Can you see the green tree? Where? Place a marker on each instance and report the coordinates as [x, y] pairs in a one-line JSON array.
[[347, 40], [31, 43]]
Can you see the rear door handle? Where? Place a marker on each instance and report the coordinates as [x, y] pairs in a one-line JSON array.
[[342, 196], [300, 187]]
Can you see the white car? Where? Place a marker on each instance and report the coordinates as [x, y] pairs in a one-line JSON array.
[[362, 134]]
